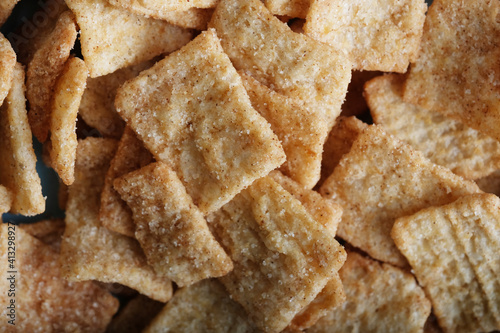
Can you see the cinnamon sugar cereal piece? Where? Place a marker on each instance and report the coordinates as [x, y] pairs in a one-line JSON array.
[[302, 140], [113, 38], [48, 231], [135, 315], [170, 228], [339, 143], [282, 257], [44, 300], [88, 250], [5, 199], [187, 14], [324, 211], [453, 250], [331, 297], [18, 167], [202, 307], [7, 64], [447, 142], [131, 155], [6, 7], [97, 108], [381, 179], [192, 112], [377, 35], [458, 68], [68, 93], [291, 8], [43, 70], [379, 298], [289, 63]]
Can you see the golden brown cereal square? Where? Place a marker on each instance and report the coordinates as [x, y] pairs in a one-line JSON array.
[[131, 155], [192, 112], [44, 301], [445, 141], [453, 250], [292, 64], [379, 298], [97, 108], [282, 257], [202, 307], [339, 143], [324, 211], [68, 93], [380, 179], [7, 64], [113, 38], [88, 250], [18, 166], [458, 68], [302, 140], [377, 35], [135, 315], [170, 228], [43, 70]]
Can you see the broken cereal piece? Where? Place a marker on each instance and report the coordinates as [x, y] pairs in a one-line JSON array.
[[108, 46], [453, 250], [18, 167], [131, 155], [289, 63], [282, 257], [193, 113], [88, 250], [381, 179], [379, 298], [170, 228], [457, 71], [68, 93]]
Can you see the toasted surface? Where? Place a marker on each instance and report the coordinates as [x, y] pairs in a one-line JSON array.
[[458, 67], [5, 199], [187, 13], [88, 250], [97, 108], [202, 307], [377, 35], [331, 297], [131, 155], [18, 167], [6, 7], [381, 179], [107, 46], [48, 231], [43, 70], [158, 7], [490, 183], [445, 141], [291, 64], [193, 113], [339, 143], [45, 302], [282, 257], [459, 241], [379, 298], [291, 8], [68, 93], [324, 211], [302, 141], [7, 64], [170, 228], [135, 315]]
